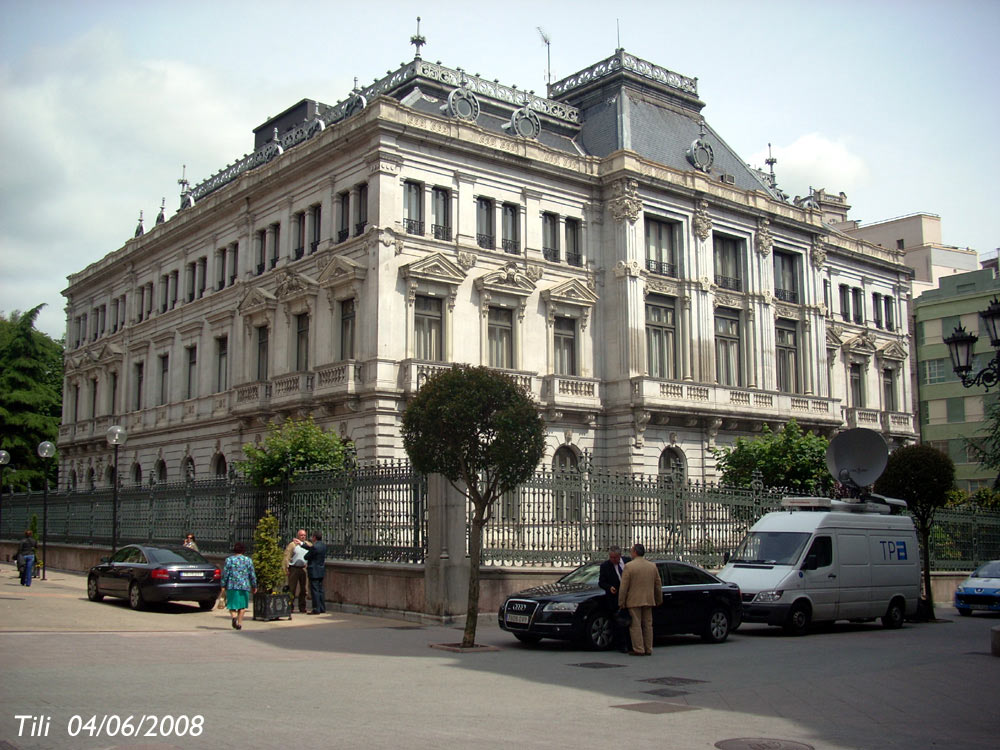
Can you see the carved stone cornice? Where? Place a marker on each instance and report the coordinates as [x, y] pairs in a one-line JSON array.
[[628, 268]]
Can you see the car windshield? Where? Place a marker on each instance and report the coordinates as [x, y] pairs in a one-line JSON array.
[[589, 573], [176, 555], [989, 570], [771, 547]]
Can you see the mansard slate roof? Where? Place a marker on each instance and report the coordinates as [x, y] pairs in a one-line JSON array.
[[622, 102]]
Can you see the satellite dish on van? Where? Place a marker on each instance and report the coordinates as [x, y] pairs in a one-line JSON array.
[[857, 457]]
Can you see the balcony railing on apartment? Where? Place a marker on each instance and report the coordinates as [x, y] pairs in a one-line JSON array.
[[661, 267], [360, 227], [551, 254], [729, 282], [441, 232], [511, 246], [343, 234], [787, 295], [485, 241], [413, 226], [298, 252], [574, 259]]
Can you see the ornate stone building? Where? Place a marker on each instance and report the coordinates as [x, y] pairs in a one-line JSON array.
[[604, 246]]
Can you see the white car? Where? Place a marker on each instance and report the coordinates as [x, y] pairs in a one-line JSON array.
[[980, 591]]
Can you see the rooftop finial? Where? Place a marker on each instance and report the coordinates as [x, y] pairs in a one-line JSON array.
[[162, 216], [183, 180], [770, 161], [701, 129], [139, 231], [418, 41]]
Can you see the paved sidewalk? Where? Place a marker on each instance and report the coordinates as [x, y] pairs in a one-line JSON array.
[[344, 680]]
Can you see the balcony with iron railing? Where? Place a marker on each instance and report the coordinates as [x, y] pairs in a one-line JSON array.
[[441, 232], [787, 295], [729, 282], [574, 259], [550, 254], [343, 234], [359, 228], [413, 226], [485, 241], [512, 247], [662, 268]]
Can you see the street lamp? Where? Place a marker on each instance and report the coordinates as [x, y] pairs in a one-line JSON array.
[[45, 450], [961, 344], [4, 460], [116, 436]]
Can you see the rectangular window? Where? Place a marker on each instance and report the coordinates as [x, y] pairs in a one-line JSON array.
[[76, 403], [317, 218], [786, 277], [786, 347], [661, 337], [190, 273], [925, 412], [441, 200], [262, 336], [191, 381], [828, 296], [113, 393], [949, 324], [890, 318], [877, 309], [727, 348], [845, 302], [220, 268], [234, 259], [164, 292], [302, 342], [413, 207], [956, 409], [500, 334], [362, 210], [661, 252], [727, 253], [202, 275], [275, 244], [299, 227], [550, 237], [921, 336], [93, 398], [889, 390], [934, 371], [347, 329], [175, 282], [565, 346], [344, 226], [574, 254], [222, 364], [858, 305], [511, 229], [485, 235], [857, 385], [164, 394], [428, 328]]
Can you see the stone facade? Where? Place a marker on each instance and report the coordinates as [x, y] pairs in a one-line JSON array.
[[656, 298]]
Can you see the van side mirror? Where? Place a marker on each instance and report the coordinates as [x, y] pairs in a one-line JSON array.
[[810, 563], [725, 557]]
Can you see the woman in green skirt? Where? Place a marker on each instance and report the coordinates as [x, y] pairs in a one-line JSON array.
[[239, 581]]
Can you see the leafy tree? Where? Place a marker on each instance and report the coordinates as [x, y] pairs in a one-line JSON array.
[[290, 449], [788, 458], [922, 476], [482, 429], [988, 444], [267, 555], [31, 374]]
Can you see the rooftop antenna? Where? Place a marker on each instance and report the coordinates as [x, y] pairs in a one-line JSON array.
[[183, 180], [770, 161], [548, 51], [418, 41], [618, 27]]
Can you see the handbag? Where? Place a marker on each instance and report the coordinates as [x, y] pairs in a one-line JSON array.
[[623, 618]]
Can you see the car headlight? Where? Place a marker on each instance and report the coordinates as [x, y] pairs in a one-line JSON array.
[[768, 596], [560, 607]]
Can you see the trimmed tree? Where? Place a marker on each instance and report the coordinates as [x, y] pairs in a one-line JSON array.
[[481, 429], [292, 448], [788, 458], [267, 555], [922, 476]]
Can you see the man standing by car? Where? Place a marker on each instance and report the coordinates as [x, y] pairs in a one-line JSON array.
[[316, 561], [640, 591], [295, 569], [610, 580]]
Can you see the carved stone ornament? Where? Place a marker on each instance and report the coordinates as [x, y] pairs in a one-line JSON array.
[[725, 300], [640, 419], [462, 105], [388, 238], [700, 155], [534, 272], [764, 240], [466, 260], [625, 203], [656, 286], [702, 221], [818, 253], [524, 123], [786, 312], [625, 268]]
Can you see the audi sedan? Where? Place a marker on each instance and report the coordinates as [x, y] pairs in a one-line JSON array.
[[980, 592], [575, 608], [143, 574]]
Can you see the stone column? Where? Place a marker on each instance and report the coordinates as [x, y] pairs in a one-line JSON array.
[[446, 568]]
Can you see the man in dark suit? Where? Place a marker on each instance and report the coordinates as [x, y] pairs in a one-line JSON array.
[[610, 580], [316, 563]]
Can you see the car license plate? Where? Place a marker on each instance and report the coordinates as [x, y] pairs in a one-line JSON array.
[[979, 606], [192, 575], [518, 619]]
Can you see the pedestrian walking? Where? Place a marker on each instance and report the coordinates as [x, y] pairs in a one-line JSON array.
[[640, 591], [239, 581], [26, 554]]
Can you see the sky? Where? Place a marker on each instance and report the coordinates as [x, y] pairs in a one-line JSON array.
[[103, 103]]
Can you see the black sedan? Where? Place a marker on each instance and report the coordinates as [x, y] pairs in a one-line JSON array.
[[144, 574], [576, 608]]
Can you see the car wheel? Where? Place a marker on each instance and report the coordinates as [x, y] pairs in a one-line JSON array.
[[135, 600], [93, 593], [598, 633], [717, 627], [964, 612], [528, 638], [206, 604], [798, 620], [893, 617]]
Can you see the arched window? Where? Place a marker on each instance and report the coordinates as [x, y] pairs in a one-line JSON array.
[[220, 466], [90, 478], [136, 474], [109, 476], [565, 460], [161, 471], [673, 464], [187, 468], [566, 485], [72, 480]]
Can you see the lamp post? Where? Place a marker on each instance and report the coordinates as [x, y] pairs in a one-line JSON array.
[[45, 450], [116, 436], [961, 345], [4, 460]]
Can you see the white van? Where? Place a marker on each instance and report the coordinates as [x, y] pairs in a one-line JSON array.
[[825, 560]]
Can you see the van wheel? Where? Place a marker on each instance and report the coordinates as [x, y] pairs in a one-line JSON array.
[[893, 617], [799, 617]]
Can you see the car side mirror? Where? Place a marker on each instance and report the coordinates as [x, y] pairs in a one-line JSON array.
[[725, 557], [105, 559], [810, 563]]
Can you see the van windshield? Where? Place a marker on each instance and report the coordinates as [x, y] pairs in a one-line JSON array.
[[771, 547]]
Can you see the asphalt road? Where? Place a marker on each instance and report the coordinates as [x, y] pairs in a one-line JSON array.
[[79, 669]]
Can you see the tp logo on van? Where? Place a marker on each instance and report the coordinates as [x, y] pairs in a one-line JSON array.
[[893, 550]]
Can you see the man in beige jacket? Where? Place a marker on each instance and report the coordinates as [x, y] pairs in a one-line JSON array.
[[640, 591]]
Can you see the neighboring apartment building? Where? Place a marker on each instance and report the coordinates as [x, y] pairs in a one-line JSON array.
[[949, 412], [603, 246]]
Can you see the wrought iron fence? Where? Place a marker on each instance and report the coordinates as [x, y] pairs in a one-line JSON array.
[[373, 512]]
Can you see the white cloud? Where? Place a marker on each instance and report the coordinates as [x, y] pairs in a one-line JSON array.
[[813, 160]]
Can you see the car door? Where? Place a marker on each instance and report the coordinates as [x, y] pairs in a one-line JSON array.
[[110, 575], [674, 615], [819, 578], [692, 594]]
